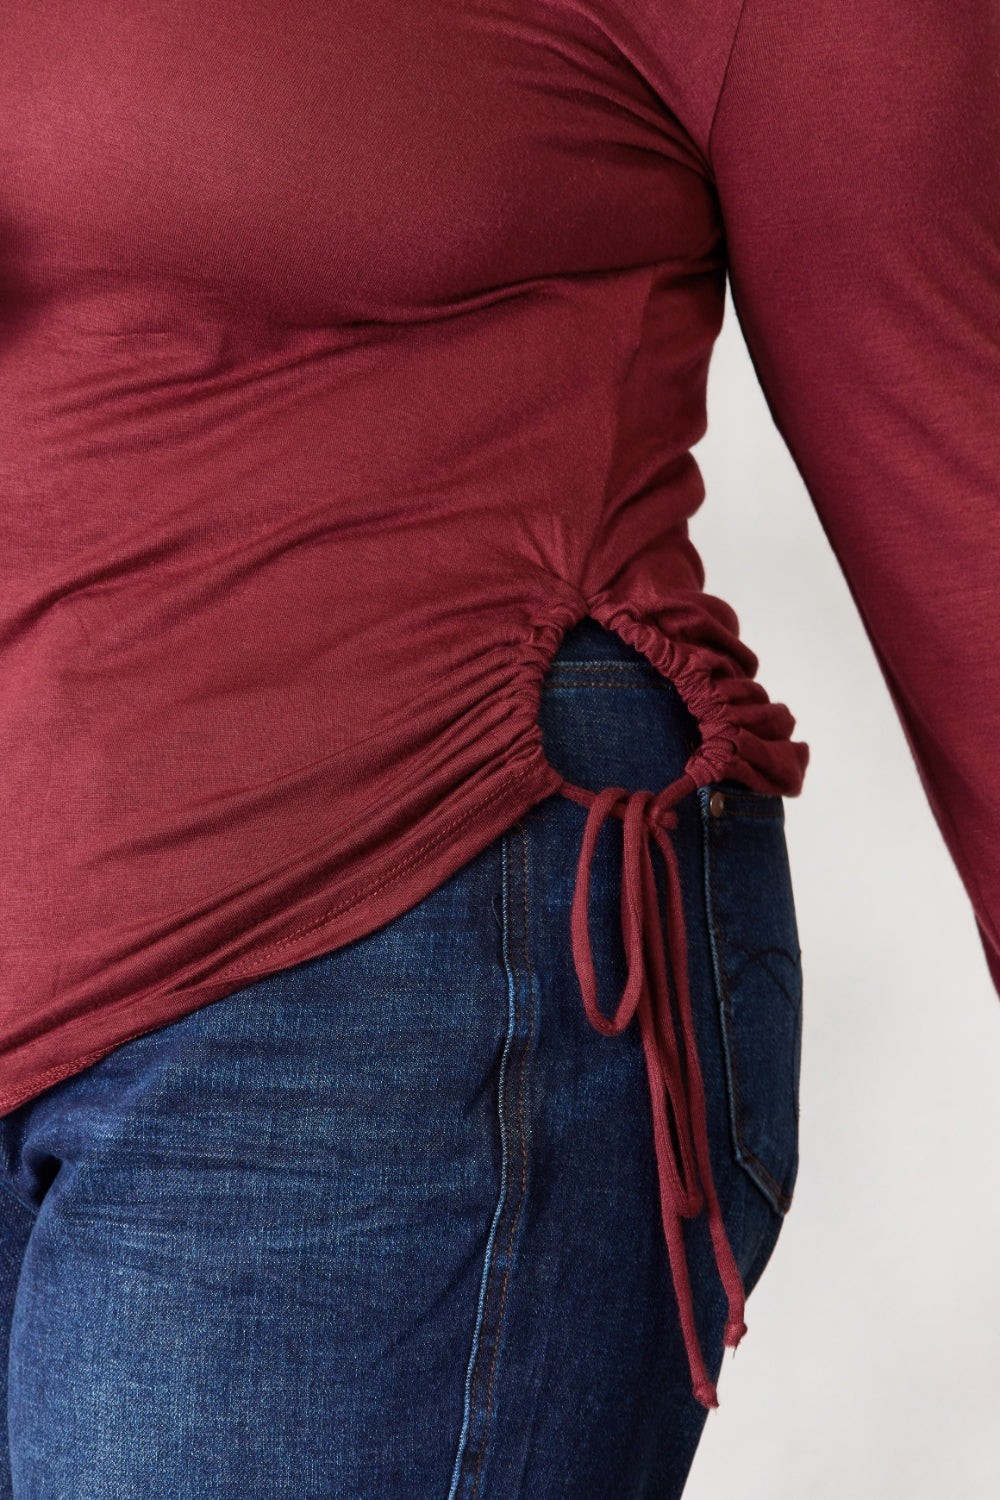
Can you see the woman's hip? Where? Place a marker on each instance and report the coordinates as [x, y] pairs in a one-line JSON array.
[[387, 1223]]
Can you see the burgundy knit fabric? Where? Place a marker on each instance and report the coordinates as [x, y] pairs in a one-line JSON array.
[[349, 354]]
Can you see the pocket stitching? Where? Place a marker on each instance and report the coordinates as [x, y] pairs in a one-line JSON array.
[[745, 1157], [782, 1200]]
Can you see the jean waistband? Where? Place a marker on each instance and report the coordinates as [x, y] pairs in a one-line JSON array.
[[588, 640]]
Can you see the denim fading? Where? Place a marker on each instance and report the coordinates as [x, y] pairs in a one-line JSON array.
[[386, 1223]]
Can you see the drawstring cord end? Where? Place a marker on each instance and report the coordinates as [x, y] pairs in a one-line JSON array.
[[705, 1392], [735, 1330]]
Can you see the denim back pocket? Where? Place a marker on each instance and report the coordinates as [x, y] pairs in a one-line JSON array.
[[758, 977]]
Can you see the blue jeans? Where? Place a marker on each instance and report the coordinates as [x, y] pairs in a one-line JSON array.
[[386, 1224]]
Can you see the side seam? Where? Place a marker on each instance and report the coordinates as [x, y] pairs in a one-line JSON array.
[[479, 1404]]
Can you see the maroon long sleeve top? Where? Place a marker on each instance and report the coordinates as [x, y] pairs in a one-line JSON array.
[[348, 355]]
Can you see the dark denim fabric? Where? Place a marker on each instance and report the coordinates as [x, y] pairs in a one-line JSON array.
[[386, 1224]]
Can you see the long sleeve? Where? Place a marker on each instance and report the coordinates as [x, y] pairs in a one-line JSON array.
[[856, 153]]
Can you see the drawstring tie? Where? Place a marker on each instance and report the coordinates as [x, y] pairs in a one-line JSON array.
[[680, 1126]]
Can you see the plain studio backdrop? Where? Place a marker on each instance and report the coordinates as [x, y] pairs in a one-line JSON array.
[[870, 1368]]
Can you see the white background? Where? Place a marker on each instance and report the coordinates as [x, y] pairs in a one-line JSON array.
[[871, 1367]]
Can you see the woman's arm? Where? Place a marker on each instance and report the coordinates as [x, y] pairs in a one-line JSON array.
[[856, 150]]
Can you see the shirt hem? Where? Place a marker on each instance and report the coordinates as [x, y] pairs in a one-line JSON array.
[[381, 898]]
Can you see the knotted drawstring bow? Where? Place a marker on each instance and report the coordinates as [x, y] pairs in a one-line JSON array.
[[685, 1176]]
